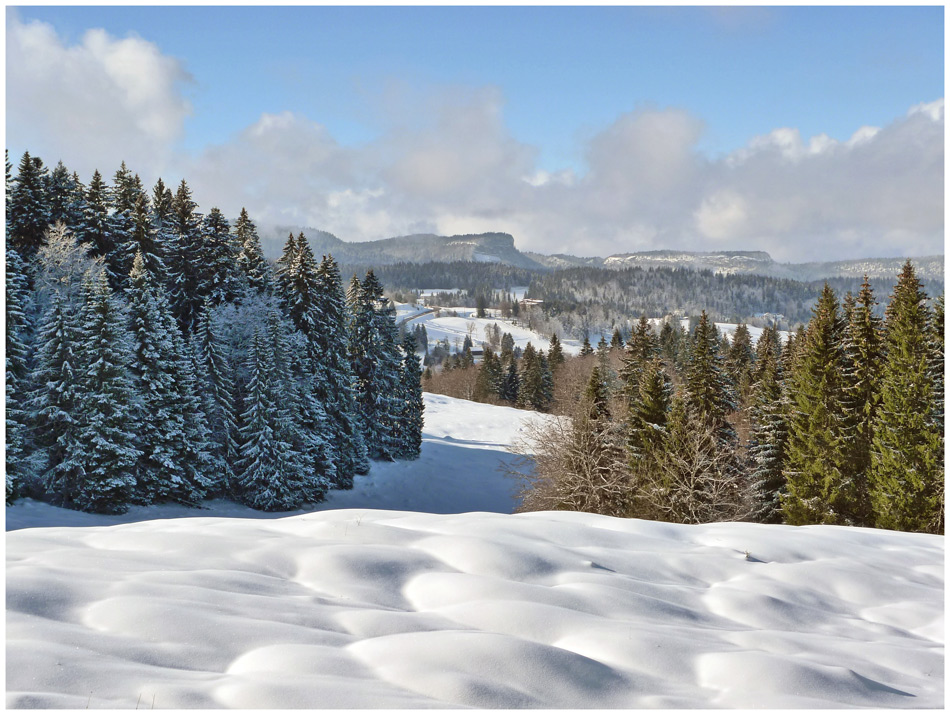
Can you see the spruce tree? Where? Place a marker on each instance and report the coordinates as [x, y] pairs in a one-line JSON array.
[[768, 440], [906, 475], [95, 231], [740, 360], [555, 352], [648, 413], [328, 343], [183, 263], [586, 348], [864, 357], [18, 375], [28, 211], [107, 405], [65, 196], [410, 420], [250, 257], [641, 348], [708, 392], [596, 396], [816, 443]]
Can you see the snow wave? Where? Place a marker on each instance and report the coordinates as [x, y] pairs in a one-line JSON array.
[[354, 608]]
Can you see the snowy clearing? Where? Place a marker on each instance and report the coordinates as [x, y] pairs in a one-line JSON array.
[[361, 608]]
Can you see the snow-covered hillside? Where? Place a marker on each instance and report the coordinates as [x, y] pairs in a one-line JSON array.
[[362, 603], [358, 608]]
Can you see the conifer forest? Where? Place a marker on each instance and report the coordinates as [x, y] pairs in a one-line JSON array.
[[843, 423], [154, 355]]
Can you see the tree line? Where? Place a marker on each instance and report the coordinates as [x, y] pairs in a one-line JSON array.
[[154, 355], [841, 424]]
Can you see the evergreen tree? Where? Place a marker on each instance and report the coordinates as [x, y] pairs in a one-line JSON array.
[[906, 476], [55, 402], [616, 340], [183, 264], [28, 211], [169, 469], [555, 352], [768, 439], [740, 360], [65, 196], [488, 381], [217, 275], [410, 421], [641, 348], [863, 352], [328, 345], [125, 196], [534, 389], [648, 413], [586, 348], [511, 383], [816, 443], [18, 376], [216, 380], [263, 481], [596, 396], [95, 231], [709, 396], [106, 454], [250, 257]]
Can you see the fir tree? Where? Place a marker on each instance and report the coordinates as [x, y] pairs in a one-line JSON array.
[[906, 476], [183, 264], [17, 377], [95, 231], [586, 348], [488, 381], [218, 280], [641, 348], [65, 196], [740, 360], [511, 383], [596, 396]]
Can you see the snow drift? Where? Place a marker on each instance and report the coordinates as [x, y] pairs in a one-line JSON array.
[[364, 608]]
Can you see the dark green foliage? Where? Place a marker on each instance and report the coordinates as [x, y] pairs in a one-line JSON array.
[[250, 258], [708, 392], [535, 389], [28, 211], [816, 445], [740, 360], [596, 396], [17, 377], [586, 348], [648, 413], [769, 432], [410, 420], [907, 475], [555, 352]]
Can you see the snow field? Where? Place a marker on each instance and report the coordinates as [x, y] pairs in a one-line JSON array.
[[362, 608]]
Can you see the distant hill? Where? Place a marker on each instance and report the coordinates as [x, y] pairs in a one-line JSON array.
[[498, 247], [417, 248]]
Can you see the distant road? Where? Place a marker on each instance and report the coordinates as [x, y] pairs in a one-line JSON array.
[[418, 315]]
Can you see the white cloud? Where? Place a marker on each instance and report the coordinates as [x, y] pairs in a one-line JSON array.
[[117, 99]]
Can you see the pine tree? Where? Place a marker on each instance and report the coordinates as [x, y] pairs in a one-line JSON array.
[[906, 476], [28, 212], [218, 280], [534, 381], [816, 443], [488, 381], [616, 340], [106, 405]]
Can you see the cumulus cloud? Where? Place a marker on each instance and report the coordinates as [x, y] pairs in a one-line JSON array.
[[444, 161], [645, 185], [117, 98]]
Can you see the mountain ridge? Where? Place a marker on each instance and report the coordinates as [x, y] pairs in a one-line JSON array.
[[499, 247]]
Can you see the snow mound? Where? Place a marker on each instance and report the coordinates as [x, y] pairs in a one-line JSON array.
[[363, 608]]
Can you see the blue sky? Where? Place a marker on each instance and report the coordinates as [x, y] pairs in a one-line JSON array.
[[547, 85]]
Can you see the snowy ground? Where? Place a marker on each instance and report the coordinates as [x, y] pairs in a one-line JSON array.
[[366, 606], [357, 608]]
